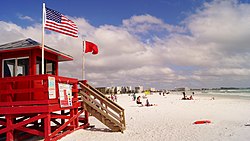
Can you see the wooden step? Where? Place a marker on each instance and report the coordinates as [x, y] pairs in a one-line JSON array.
[[105, 110], [103, 119]]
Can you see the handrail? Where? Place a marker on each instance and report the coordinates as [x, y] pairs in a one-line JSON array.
[[101, 94], [102, 109], [104, 105], [102, 97]]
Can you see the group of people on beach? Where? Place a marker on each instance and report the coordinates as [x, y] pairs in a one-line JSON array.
[[138, 101], [187, 98], [164, 93]]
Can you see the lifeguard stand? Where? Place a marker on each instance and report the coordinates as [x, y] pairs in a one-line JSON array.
[[34, 104], [47, 105]]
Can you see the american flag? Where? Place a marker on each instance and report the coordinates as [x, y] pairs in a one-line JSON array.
[[58, 22]]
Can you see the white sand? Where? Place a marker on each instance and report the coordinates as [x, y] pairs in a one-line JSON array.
[[172, 120]]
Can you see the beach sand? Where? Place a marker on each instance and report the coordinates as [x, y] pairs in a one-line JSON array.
[[172, 120]]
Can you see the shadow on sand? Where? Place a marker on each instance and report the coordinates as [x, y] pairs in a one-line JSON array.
[[99, 129]]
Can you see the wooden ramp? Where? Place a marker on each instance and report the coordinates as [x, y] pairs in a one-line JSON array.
[[102, 108]]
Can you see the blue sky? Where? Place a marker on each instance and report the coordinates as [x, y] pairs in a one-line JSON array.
[[154, 43], [101, 12]]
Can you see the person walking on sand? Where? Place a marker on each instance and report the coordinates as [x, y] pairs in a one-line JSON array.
[[115, 98], [134, 97], [112, 97]]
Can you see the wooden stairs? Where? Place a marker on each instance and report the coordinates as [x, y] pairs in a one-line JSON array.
[[105, 110]]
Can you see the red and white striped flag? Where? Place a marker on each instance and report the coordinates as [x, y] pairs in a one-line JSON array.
[[58, 22]]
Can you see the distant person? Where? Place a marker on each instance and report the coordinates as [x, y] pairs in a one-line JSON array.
[[115, 98], [148, 104], [191, 97], [134, 97], [138, 100], [184, 96], [112, 97], [187, 98]]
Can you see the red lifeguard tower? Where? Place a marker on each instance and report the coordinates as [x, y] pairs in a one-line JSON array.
[[48, 105]]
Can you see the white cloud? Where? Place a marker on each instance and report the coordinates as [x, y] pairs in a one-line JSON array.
[[22, 17], [221, 22], [213, 52], [227, 72], [146, 23]]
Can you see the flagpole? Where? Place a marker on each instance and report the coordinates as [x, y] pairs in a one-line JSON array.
[[43, 38], [83, 61]]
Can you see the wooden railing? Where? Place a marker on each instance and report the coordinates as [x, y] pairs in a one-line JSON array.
[[110, 110]]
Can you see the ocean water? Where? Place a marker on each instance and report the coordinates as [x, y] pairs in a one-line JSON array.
[[242, 93]]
